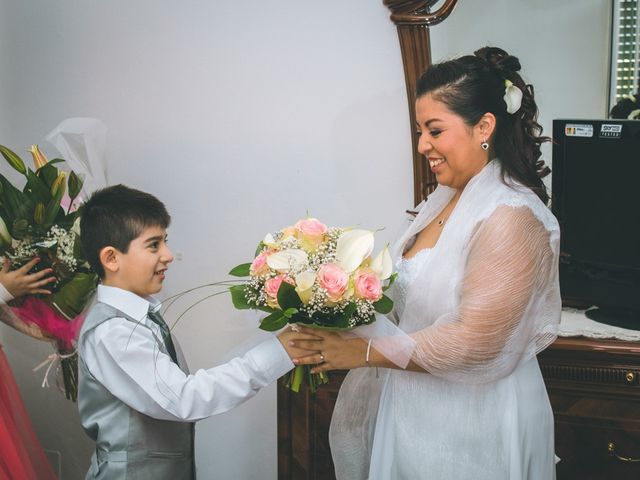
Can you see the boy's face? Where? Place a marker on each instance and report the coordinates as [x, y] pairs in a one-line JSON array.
[[142, 269]]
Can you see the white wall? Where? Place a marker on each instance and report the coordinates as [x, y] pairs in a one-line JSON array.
[[243, 116]]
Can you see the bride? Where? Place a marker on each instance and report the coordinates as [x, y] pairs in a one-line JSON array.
[[477, 292]]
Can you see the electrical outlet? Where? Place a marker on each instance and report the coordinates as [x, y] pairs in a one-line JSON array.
[[55, 458]]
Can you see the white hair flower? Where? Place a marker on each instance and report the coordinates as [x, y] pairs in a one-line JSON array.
[[512, 97]]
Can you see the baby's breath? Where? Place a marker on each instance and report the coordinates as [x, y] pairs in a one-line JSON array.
[[65, 240]]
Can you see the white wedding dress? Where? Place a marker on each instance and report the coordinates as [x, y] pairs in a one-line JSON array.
[[480, 305]]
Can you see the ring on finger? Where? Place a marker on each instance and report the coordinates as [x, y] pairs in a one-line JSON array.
[[321, 358]]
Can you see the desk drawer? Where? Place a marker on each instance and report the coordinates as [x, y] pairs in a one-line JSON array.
[[596, 453]]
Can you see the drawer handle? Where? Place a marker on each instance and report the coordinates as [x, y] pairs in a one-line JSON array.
[[630, 377], [611, 448]]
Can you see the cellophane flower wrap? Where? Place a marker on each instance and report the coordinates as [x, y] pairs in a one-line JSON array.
[[41, 219], [318, 276]]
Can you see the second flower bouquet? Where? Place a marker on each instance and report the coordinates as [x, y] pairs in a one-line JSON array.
[[41, 219], [319, 276]]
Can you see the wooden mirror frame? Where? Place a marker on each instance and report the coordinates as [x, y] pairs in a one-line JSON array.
[[413, 19]]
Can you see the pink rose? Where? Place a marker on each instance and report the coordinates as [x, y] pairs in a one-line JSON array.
[[259, 264], [334, 280], [367, 285], [311, 227], [272, 285]]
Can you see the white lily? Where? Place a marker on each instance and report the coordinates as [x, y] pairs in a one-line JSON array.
[[382, 265], [286, 260], [269, 241], [75, 228], [352, 248], [5, 236], [304, 285], [512, 97]]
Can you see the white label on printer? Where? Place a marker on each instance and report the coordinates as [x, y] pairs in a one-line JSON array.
[[578, 130], [608, 130]]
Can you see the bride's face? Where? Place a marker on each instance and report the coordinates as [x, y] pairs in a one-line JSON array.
[[451, 147]]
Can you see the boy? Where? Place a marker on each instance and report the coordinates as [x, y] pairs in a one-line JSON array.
[[136, 399]]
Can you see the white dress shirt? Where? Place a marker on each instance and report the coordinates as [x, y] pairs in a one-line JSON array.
[[125, 358]]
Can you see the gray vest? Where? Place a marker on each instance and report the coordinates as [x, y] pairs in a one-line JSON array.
[[129, 444]]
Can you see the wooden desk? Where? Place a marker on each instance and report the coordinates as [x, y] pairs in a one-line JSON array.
[[593, 385]]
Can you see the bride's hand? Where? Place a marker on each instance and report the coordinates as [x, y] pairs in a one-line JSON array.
[[336, 351]]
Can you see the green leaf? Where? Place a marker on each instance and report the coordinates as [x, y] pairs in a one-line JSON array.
[[290, 312], [19, 228], [55, 160], [238, 297], [273, 322], [261, 246], [74, 295], [242, 270], [288, 297], [74, 183], [384, 305], [14, 202], [37, 188], [48, 173], [13, 159], [392, 279]]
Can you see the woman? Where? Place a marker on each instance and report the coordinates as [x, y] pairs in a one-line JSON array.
[[21, 455], [477, 291]]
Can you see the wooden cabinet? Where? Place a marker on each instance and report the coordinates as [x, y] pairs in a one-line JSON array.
[[594, 388], [303, 431]]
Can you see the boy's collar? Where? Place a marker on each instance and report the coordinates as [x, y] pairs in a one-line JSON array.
[[127, 302]]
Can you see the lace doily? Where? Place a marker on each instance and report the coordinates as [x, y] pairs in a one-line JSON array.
[[575, 323]]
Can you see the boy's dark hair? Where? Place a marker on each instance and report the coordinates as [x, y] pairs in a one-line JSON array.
[[114, 216]]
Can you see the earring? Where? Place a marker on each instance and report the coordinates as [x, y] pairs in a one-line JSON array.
[[484, 145]]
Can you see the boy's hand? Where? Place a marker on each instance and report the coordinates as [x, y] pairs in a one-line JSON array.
[[289, 335], [20, 282]]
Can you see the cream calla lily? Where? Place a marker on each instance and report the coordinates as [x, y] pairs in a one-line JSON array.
[[5, 236], [287, 260], [268, 240], [512, 97], [382, 265], [75, 228], [353, 247], [304, 285]]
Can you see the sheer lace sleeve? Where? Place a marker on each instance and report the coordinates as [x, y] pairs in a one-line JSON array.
[[510, 265]]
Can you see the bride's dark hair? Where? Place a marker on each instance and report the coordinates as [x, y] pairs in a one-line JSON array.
[[473, 85]]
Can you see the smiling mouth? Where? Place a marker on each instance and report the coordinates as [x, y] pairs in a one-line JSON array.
[[161, 272], [436, 161]]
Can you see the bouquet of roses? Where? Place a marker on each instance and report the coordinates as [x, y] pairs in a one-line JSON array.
[[319, 276], [42, 220]]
